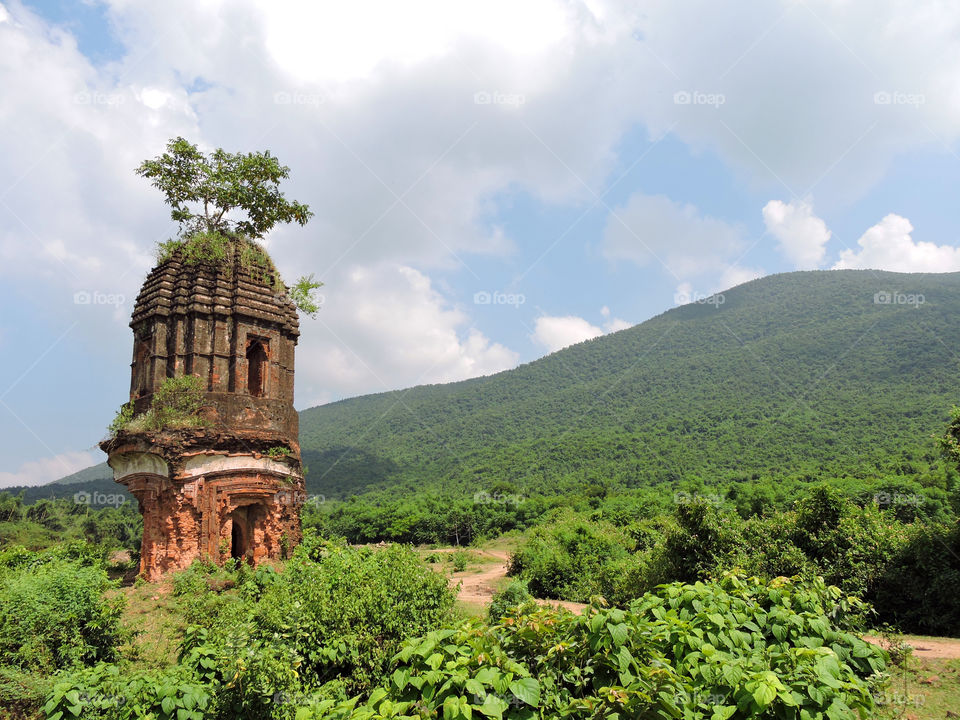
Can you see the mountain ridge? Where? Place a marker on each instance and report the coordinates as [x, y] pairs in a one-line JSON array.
[[809, 373]]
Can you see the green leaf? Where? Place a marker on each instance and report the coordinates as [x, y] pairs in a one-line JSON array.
[[526, 690], [618, 633], [451, 707], [764, 694]]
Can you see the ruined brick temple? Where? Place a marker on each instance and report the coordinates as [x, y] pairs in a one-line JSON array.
[[234, 487]]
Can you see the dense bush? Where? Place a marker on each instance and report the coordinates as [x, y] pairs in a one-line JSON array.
[[735, 649], [107, 692], [919, 587], [910, 572], [327, 625], [53, 615], [566, 557]]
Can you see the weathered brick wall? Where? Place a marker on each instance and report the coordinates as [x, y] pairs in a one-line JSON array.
[[213, 492]]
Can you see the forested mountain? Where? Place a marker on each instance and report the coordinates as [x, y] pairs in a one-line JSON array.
[[801, 374], [805, 374]]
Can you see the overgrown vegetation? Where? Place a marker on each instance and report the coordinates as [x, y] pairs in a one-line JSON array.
[[53, 616], [176, 404], [327, 626], [224, 204], [909, 572], [737, 648]]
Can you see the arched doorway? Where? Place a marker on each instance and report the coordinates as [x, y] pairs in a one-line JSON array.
[[256, 367], [239, 535]]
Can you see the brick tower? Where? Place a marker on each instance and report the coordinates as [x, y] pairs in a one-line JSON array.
[[233, 488]]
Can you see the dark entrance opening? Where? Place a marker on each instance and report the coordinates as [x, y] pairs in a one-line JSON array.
[[238, 542], [256, 368]]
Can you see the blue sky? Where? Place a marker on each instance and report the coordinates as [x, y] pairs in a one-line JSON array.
[[582, 165]]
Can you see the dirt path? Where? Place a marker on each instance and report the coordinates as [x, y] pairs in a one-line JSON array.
[[942, 648], [478, 587]]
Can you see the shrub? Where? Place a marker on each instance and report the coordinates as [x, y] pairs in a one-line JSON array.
[[919, 586], [175, 404], [54, 615], [564, 558], [109, 692], [738, 648], [328, 623], [459, 559], [515, 594]]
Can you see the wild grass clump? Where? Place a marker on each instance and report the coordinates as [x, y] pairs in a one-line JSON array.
[[176, 404]]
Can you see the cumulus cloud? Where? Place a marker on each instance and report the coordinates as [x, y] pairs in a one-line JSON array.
[[386, 326], [802, 236], [653, 229], [555, 332], [888, 245], [45, 470], [401, 137], [815, 95]]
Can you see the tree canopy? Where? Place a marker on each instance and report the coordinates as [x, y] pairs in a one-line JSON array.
[[205, 191]]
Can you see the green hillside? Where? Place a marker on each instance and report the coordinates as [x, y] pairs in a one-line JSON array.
[[90, 474], [799, 375], [792, 376]]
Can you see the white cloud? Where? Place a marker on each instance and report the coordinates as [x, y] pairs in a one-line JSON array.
[[736, 275], [889, 246], [802, 236], [655, 230], [385, 327], [613, 324], [557, 332], [804, 86], [45, 470]]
